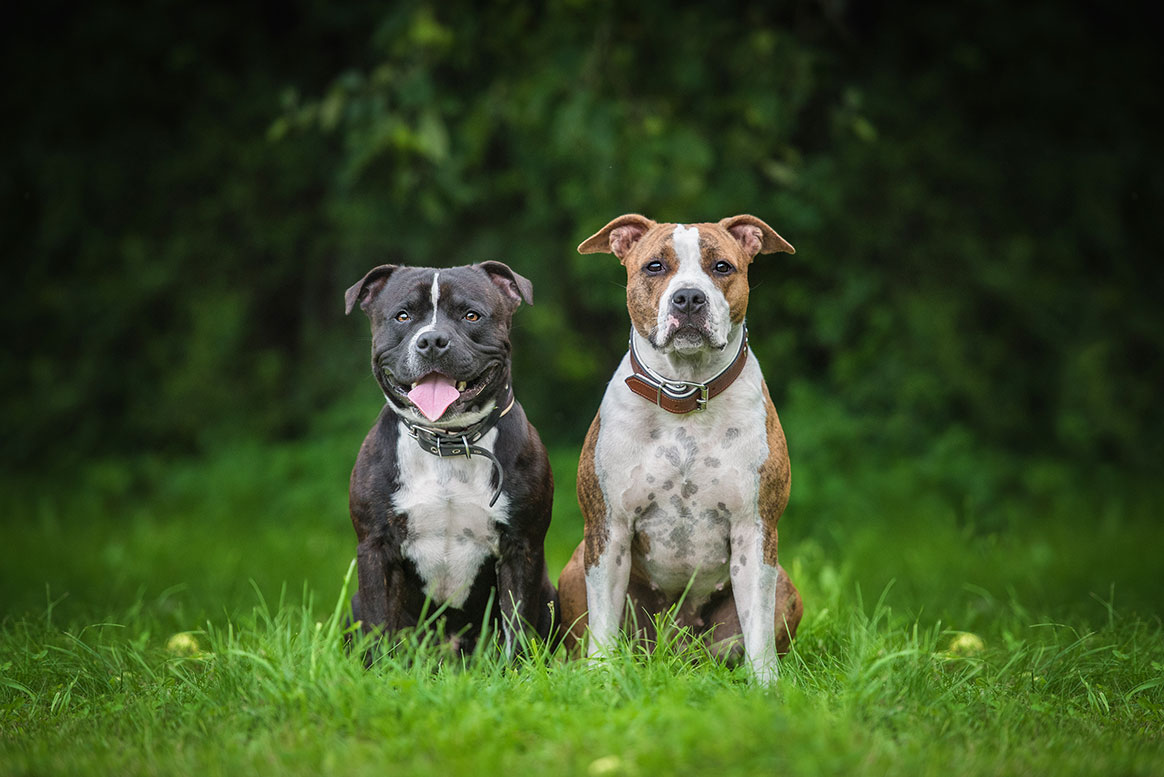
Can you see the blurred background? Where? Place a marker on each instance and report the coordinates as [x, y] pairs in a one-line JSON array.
[[972, 319]]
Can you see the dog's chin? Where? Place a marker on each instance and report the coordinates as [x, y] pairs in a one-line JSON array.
[[453, 418], [688, 341]]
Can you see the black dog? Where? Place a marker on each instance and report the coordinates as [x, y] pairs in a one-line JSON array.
[[452, 490]]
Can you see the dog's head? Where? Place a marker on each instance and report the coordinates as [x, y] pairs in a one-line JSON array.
[[687, 285], [440, 338]]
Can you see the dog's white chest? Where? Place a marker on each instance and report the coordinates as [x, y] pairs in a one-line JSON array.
[[451, 528], [681, 482]]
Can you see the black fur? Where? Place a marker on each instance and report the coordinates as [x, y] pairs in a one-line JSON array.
[[391, 591]]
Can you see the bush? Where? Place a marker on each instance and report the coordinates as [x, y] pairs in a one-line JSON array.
[[972, 191]]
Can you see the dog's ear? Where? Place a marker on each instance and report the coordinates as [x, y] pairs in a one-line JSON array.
[[514, 286], [755, 236], [367, 287], [617, 237]]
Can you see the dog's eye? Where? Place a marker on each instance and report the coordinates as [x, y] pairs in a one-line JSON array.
[[723, 268], [654, 268], [472, 315], [403, 316]]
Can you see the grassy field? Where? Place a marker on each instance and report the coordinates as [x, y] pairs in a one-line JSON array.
[[965, 614]]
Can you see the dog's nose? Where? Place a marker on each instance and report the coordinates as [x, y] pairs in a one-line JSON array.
[[688, 300], [432, 343]]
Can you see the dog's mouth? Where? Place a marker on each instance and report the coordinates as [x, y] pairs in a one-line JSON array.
[[435, 393], [685, 335], [690, 332]]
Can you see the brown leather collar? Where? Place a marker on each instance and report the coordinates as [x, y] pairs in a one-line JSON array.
[[680, 396]]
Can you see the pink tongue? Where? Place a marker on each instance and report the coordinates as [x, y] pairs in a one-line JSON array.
[[433, 395]]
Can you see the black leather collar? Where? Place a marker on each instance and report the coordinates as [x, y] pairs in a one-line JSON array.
[[445, 443]]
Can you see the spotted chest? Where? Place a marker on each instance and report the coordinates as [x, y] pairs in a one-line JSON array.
[[680, 483], [451, 530]]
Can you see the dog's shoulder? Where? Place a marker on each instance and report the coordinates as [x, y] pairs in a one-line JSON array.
[[375, 475], [590, 496], [528, 478], [775, 472]]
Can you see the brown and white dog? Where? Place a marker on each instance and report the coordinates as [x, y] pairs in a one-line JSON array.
[[684, 472]]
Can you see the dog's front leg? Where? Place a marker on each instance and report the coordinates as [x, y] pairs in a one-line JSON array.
[[608, 566], [754, 587], [372, 576], [380, 587], [519, 576]]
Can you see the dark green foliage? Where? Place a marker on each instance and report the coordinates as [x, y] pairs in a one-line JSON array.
[[972, 190]]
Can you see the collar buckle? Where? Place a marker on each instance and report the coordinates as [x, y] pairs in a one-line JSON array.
[[701, 400], [681, 389]]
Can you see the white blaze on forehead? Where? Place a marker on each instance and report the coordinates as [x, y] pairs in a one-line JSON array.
[[435, 296], [686, 242]]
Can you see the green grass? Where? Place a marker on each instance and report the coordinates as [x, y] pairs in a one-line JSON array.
[[244, 555]]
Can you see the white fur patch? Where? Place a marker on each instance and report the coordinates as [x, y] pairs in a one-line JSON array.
[[451, 528], [686, 242]]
